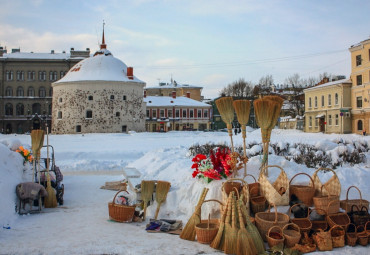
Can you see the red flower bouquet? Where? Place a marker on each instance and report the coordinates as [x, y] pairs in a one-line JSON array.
[[215, 167]]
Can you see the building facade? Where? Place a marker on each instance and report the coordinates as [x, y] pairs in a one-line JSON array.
[[360, 75], [328, 107], [166, 89], [25, 86], [164, 113], [98, 95]]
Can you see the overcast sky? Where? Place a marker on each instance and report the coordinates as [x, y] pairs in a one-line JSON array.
[[209, 43]]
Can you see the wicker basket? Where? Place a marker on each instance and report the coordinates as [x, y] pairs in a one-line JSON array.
[[265, 220], [332, 185], [351, 235], [254, 188], [120, 213], [337, 236], [292, 234], [318, 223], [322, 202], [323, 240], [206, 232], [359, 217], [347, 203], [275, 238], [237, 184], [362, 237], [304, 193], [338, 218], [304, 224], [258, 204], [367, 229]]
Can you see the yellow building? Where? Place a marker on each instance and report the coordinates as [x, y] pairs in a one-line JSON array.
[[166, 89], [328, 106], [360, 75]]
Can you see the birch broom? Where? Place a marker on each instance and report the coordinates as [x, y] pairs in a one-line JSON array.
[[226, 110]]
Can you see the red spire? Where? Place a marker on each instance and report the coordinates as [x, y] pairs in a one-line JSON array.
[[103, 45]]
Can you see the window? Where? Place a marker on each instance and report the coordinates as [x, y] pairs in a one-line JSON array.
[[147, 113], [60, 115], [90, 98], [154, 113], [20, 92], [124, 129], [62, 73], [20, 76], [336, 98], [9, 75], [51, 92], [111, 97], [358, 60], [53, 75], [161, 113], [310, 121], [50, 108], [169, 113], [36, 108], [118, 114], [336, 119], [205, 114], [329, 120], [31, 92], [359, 102], [9, 109], [309, 103], [315, 102], [78, 129], [9, 92], [88, 114], [60, 99], [329, 100], [31, 75], [322, 101], [42, 76], [177, 113], [199, 113], [316, 122], [359, 80], [359, 125], [19, 109], [184, 113], [191, 113], [42, 92], [124, 98]]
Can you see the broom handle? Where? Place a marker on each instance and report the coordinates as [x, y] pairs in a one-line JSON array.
[[157, 210], [244, 135], [230, 131]]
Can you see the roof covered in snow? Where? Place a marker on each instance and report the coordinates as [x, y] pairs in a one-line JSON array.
[[342, 81], [30, 55], [173, 84], [162, 101], [101, 67]]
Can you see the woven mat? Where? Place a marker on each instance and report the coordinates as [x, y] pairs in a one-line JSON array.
[[116, 185]]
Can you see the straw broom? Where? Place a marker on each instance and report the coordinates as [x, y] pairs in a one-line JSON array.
[[245, 244], [242, 109], [231, 233], [188, 233], [218, 241], [161, 194], [37, 140], [226, 110], [51, 200], [252, 229], [147, 189]]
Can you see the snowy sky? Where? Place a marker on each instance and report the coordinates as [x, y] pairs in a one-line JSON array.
[[208, 43]]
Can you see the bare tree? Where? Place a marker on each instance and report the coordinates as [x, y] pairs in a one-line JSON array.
[[239, 88], [266, 81], [295, 80]]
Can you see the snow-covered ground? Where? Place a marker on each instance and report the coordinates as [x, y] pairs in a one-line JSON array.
[[81, 225]]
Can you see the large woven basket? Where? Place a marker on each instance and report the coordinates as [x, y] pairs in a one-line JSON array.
[[322, 202], [304, 224], [207, 231], [278, 192], [337, 236], [332, 185], [351, 235], [347, 203], [120, 213], [292, 234], [304, 193], [265, 220], [338, 218], [360, 216]]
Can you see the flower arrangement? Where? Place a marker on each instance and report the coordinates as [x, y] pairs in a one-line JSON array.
[[215, 167], [26, 154]]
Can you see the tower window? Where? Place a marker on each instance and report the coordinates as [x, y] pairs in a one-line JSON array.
[[124, 98], [59, 115], [78, 129], [118, 114], [90, 98], [112, 97], [88, 114]]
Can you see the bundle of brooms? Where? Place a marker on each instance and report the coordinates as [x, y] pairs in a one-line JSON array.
[[267, 110]]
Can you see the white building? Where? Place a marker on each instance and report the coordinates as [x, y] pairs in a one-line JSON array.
[[98, 95]]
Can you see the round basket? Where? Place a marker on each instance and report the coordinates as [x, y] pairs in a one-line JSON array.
[[362, 237], [347, 204], [120, 213], [230, 186], [304, 193], [320, 222], [265, 220], [351, 235], [338, 218], [206, 232], [275, 238], [304, 224], [367, 229], [254, 188], [258, 204], [322, 202], [292, 234], [337, 236]]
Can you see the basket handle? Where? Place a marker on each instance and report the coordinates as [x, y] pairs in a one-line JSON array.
[[335, 201], [360, 227], [315, 209], [366, 225], [276, 216], [313, 185], [213, 200], [294, 226], [358, 209], [308, 210], [251, 176], [355, 228], [275, 226], [265, 167], [334, 227], [114, 199], [366, 210], [232, 179], [358, 192], [323, 186], [324, 169]]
